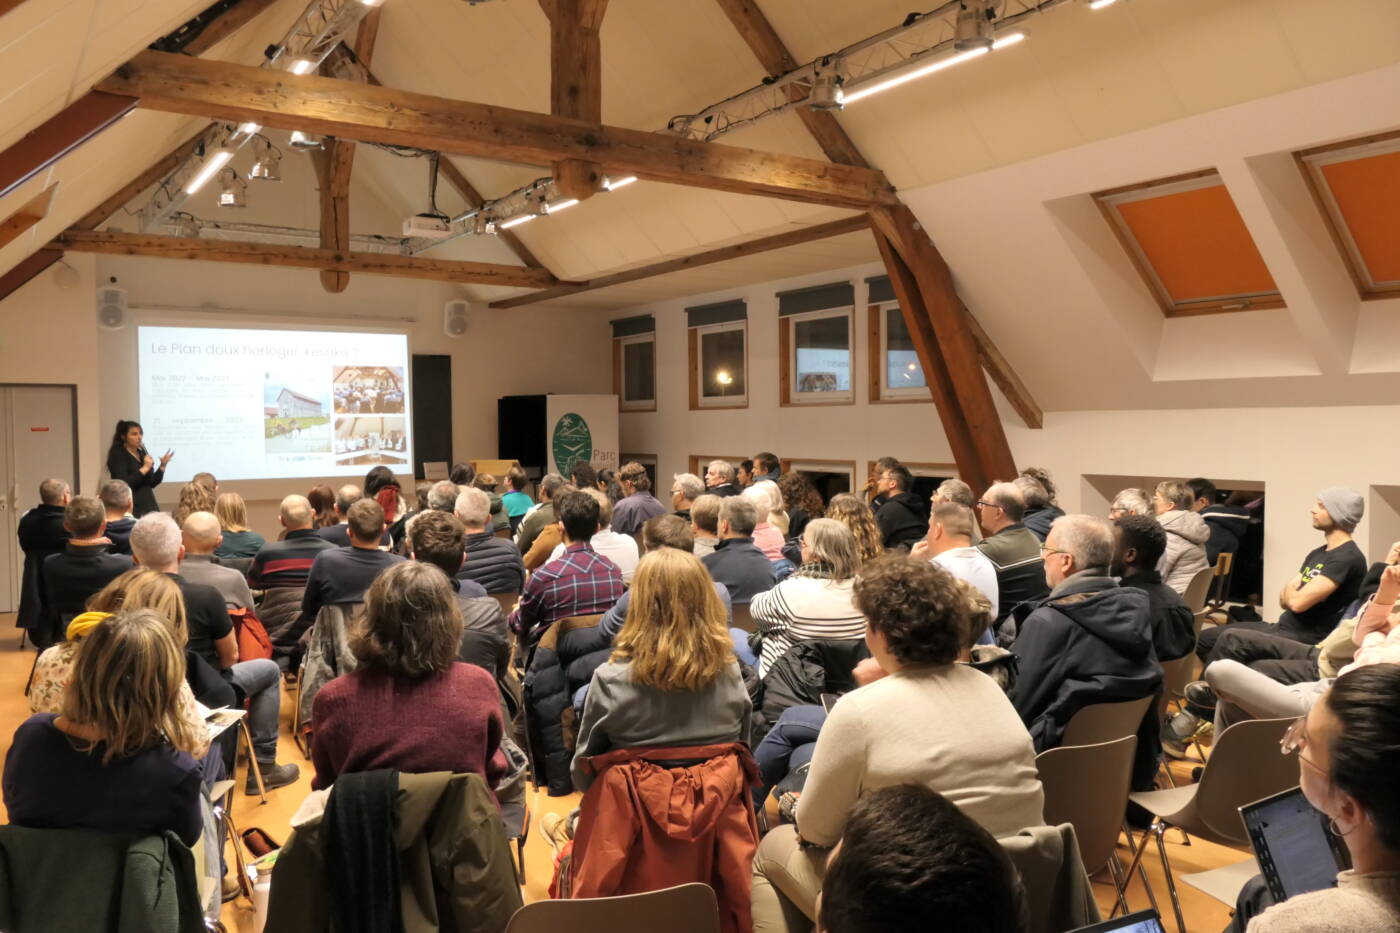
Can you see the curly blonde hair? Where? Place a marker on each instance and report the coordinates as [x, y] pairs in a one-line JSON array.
[[850, 511], [194, 497], [675, 634], [143, 588]]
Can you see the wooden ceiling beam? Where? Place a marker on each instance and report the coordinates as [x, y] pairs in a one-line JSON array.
[[576, 83], [302, 257], [1004, 376], [26, 269], [59, 135], [724, 253], [220, 90], [28, 214]]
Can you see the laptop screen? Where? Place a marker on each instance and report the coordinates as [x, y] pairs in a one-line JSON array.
[[1144, 921], [1297, 853]]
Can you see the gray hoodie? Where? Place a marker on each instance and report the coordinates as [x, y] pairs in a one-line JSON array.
[[1187, 534]]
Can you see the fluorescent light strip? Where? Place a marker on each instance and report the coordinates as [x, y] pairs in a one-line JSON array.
[[249, 129], [859, 92], [215, 162], [301, 66], [1100, 4], [515, 221], [560, 205], [614, 184]]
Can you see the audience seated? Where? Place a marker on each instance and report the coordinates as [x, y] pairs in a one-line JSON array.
[[766, 466], [638, 504], [280, 569], [1013, 551], [685, 489], [438, 538], [852, 512], [767, 502], [208, 480], [41, 534], [584, 476], [579, 583], [1186, 535], [803, 501], [949, 545], [1227, 523], [736, 562], [194, 497], [1131, 501], [908, 726], [201, 536], [621, 549], [516, 500], [322, 500], [1348, 755], [338, 533], [1039, 491], [118, 758], [383, 487], [672, 678], [409, 705], [719, 479], [541, 516], [551, 535], [1089, 641], [816, 601], [704, 523], [743, 474], [343, 574], [903, 515], [156, 544], [132, 590], [238, 539], [911, 860], [500, 521], [116, 501], [490, 561], [85, 565], [442, 496]]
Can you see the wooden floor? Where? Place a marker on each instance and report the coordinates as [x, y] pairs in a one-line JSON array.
[[1203, 914]]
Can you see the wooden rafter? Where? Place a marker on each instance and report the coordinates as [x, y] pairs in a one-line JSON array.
[[1004, 376], [724, 253], [28, 214], [333, 166], [25, 270], [302, 257], [176, 84], [467, 191], [576, 83], [59, 135]]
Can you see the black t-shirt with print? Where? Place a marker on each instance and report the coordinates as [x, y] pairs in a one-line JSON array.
[[1346, 566]]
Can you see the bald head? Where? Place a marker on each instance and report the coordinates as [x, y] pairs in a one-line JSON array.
[[201, 533], [347, 496], [296, 513]]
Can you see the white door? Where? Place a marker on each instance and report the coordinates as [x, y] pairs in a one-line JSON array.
[[39, 437]]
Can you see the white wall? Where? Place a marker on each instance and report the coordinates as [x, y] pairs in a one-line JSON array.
[[1291, 452]]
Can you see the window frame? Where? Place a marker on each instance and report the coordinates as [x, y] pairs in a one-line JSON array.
[[620, 376], [880, 392], [1310, 163], [788, 393], [698, 400]]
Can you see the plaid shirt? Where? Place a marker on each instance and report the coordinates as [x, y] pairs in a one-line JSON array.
[[580, 583]]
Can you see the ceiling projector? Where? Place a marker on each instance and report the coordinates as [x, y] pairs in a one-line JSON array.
[[428, 226]]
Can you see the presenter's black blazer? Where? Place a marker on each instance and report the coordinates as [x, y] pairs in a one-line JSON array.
[[125, 467]]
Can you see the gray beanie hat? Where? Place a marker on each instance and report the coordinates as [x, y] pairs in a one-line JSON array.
[[1344, 505]]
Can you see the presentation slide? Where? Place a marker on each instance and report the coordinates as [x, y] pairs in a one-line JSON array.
[[271, 404]]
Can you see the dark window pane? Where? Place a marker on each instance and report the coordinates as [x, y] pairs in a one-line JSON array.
[[639, 371], [823, 355], [902, 368], [828, 484], [722, 359]]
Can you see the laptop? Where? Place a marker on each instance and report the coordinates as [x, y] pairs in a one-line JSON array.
[[1296, 849], [1144, 921]]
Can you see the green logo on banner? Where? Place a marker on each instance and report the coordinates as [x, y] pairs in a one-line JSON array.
[[572, 442]]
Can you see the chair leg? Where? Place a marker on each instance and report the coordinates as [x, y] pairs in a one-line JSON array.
[[1120, 881], [253, 767], [1137, 851], [1160, 830]]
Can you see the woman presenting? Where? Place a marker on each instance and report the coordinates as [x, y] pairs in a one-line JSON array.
[[128, 461]]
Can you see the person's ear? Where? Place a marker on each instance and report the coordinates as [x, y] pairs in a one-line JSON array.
[[1130, 556], [182, 552]]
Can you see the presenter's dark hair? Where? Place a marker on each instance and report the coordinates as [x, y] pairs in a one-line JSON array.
[[119, 437]]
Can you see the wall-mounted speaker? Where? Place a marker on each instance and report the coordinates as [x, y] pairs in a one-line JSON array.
[[454, 318], [111, 307]]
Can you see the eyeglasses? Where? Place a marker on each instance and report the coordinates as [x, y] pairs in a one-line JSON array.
[[1296, 740], [987, 505], [1047, 549]]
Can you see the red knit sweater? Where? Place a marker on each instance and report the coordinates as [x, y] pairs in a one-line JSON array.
[[449, 721]]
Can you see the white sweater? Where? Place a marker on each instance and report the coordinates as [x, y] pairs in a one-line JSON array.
[[802, 608], [949, 728], [1358, 904]]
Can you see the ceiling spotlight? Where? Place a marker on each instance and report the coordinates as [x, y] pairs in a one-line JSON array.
[[217, 160], [826, 95], [301, 66], [304, 142], [974, 26], [1100, 4], [266, 161], [249, 129], [234, 190]]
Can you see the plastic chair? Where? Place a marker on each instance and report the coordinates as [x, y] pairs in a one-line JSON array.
[[1224, 884], [1106, 722], [1244, 766], [1220, 587], [1087, 787], [686, 908], [1198, 589]]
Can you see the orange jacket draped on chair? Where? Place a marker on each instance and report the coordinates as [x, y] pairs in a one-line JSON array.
[[643, 826]]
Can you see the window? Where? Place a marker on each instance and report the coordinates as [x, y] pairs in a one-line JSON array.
[[929, 476], [829, 477], [638, 373], [1357, 185], [896, 374], [720, 365], [816, 349]]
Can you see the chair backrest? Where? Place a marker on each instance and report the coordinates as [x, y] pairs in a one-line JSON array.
[[1105, 722], [686, 908], [1245, 765], [1220, 586], [1198, 589], [507, 601], [1176, 674], [743, 619], [1087, 787]]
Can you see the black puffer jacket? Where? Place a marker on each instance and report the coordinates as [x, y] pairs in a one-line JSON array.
[[903, 519], [564, 660], [494, 563], [806, 671], [485, 638], [280, 612], [1038, 521]]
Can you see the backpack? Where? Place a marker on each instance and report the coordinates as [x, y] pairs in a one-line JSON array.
[[253, 640]]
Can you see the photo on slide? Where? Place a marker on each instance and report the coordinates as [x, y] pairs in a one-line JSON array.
[[369, 390], [296, 415], [370, 439]]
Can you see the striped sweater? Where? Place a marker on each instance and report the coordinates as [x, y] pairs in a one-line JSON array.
[[802, 608]]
